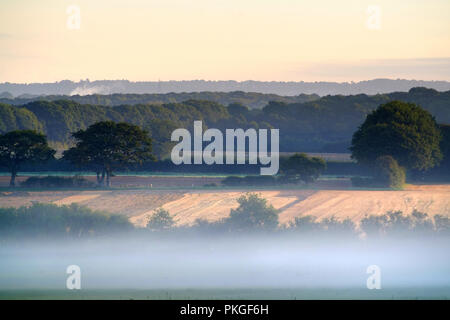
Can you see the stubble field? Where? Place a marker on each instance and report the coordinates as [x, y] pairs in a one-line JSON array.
[[324, 199]]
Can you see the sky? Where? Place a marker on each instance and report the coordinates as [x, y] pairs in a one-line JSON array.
[[266, 40]]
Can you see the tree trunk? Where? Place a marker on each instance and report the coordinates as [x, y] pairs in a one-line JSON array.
[[108, 180], [12, 182], [100, 179]]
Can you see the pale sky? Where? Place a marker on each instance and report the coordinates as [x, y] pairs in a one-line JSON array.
[[280, 40]]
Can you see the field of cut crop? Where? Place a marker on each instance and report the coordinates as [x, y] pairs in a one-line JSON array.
[[188, 205]]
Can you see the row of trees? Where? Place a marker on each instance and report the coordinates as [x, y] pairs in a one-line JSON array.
[[253, 100], [395, 137], [298, 168], [103, 147], [322, 125]]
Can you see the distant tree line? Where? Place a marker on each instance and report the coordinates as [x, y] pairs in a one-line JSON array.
[[318, 125], [251, 99], [395, 139]]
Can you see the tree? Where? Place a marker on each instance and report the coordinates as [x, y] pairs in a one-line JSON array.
[[300, 167], [389, 173], [107, 146], [78, 156], [402, 130], [445, 147], [160, 131], [253, 213], [20, 147], [160, 220]]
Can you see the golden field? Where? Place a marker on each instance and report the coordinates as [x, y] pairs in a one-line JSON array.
[[188, 205]]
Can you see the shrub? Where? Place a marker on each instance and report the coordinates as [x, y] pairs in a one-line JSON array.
[[305, 224], [442, 224], [396, 223], [160, 220], [253, 213], [331, 226], [301, 167], [204, 226], [57, 182], [250, 181], [338, 227], [47, 220], [389, 173]]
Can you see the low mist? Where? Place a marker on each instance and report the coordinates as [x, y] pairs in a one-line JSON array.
[[223, 263]]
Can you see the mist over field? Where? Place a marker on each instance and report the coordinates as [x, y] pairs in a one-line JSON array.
[[238, 262]]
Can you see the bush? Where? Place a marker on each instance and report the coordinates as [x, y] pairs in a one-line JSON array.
[[301, 167], [253, 213], [47, 220], [305, 224], [389, 173], [57, 182], [396, 223], [250, 181], [204, 226], [338, 227], [160, 220], [330, 226]]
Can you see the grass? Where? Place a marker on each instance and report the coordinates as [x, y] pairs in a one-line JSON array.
[[195, 188], [442, 293], [124, 174]]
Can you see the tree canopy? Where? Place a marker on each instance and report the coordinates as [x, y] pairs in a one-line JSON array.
[[253, 213], [106, 146], [402, 130], [23, 146], [300, 167], [323, 124], [160, 220]]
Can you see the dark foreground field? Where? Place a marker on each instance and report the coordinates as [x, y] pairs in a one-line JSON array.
[[439, 293]]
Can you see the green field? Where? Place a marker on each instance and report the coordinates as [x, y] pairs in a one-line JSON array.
[[226, 294]]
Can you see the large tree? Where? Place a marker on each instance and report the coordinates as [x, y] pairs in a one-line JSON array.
[[402, 130], [20, 147], [106, 146]]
